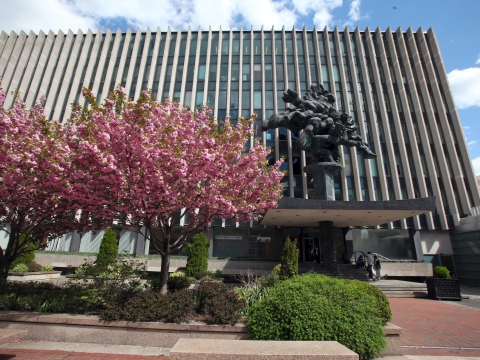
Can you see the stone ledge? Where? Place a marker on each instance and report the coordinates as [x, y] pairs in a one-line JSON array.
[[196, 349], [391, 329], [94, 320], [90, 329]]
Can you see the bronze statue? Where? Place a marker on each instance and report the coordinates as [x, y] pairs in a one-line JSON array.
[[319, 126]]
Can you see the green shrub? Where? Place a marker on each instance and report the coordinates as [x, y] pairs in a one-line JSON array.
[[289, 266], [20, 268], [28, 255], [177, 281], [180, 306], [145, 306], [224, 309], [319, 308], [197, 260], [34, 267], [207, 289], [107, 254], [47, 267], [269, 279], [382, 304], [441, 272]]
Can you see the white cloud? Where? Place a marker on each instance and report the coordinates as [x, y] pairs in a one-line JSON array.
[[473, 142], [354, 13], [478, 61], [465, 86], [476, 165], [74, 14], [43, 15]]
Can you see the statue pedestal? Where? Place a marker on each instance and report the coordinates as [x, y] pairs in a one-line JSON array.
[[322, 174]]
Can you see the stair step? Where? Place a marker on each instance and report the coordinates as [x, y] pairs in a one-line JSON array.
[[8, 335]]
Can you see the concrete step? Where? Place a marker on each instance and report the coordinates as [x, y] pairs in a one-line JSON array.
[[406, 294], [8, 335]]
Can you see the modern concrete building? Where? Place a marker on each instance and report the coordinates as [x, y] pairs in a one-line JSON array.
[[393, 83]]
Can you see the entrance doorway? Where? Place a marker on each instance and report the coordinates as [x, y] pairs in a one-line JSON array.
[[311, 250]]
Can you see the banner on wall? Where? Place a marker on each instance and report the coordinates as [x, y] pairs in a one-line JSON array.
[[228, 237]]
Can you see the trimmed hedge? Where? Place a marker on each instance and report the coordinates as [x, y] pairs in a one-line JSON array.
[[319, 308], [382, 304]]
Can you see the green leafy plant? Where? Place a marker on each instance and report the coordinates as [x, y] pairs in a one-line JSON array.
[[289, 265], [108, 252], [20, 268], [277, 269], [314, 307], [47, 267], [197, 260], [441, 272]]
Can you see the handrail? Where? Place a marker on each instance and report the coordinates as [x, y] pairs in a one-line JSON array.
[[381, 257], [355, 254]]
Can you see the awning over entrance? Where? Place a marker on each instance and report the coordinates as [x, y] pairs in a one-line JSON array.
[[308, 213]]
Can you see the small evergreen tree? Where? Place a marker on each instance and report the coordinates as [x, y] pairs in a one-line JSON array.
[[28, 255], [197, 260], [289, 267], [108, 252]]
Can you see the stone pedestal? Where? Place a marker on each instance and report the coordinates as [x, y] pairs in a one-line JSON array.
[[322, 174]]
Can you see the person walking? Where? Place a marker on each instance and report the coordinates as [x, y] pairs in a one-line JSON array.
[[378, 266], [370, 266], [315, 253]]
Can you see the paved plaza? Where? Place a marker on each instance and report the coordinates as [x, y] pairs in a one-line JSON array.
[[431, 329]]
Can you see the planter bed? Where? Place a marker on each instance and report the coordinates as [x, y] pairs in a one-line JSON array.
[[90, 329], [33, 276], [443, 289]]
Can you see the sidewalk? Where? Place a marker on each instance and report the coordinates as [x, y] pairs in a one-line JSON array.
[[437, 328]]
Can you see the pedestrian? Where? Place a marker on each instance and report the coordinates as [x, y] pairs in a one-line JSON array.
[[370, 266], [361, 262], [376, 264], [315, 253]]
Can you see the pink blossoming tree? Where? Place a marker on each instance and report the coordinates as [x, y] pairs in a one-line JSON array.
[[159, 162], [34, 172]]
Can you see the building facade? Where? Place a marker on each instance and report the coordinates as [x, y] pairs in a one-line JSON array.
[[393, 83]]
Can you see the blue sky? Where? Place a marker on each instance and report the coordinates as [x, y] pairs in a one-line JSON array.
[[455, 24]]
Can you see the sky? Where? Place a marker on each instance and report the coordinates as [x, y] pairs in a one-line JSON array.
[[455, 24]]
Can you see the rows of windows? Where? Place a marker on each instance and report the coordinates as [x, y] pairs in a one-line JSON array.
[[387, 83]]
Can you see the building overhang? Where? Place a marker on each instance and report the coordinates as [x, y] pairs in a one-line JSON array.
[[308, 213]]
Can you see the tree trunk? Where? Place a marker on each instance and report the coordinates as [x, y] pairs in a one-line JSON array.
[[164, 273], [4, 268]]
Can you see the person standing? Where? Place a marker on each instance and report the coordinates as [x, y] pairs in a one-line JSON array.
[[315, 253], [370, 266], [376, 264]]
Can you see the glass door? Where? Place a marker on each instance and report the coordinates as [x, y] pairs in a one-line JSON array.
[[311, 250]]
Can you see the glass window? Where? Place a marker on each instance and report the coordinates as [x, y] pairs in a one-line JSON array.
[[225, 44], [214, 45], [257, 100], [246, 100], [246, 72], [199, 99], [257, 72]]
